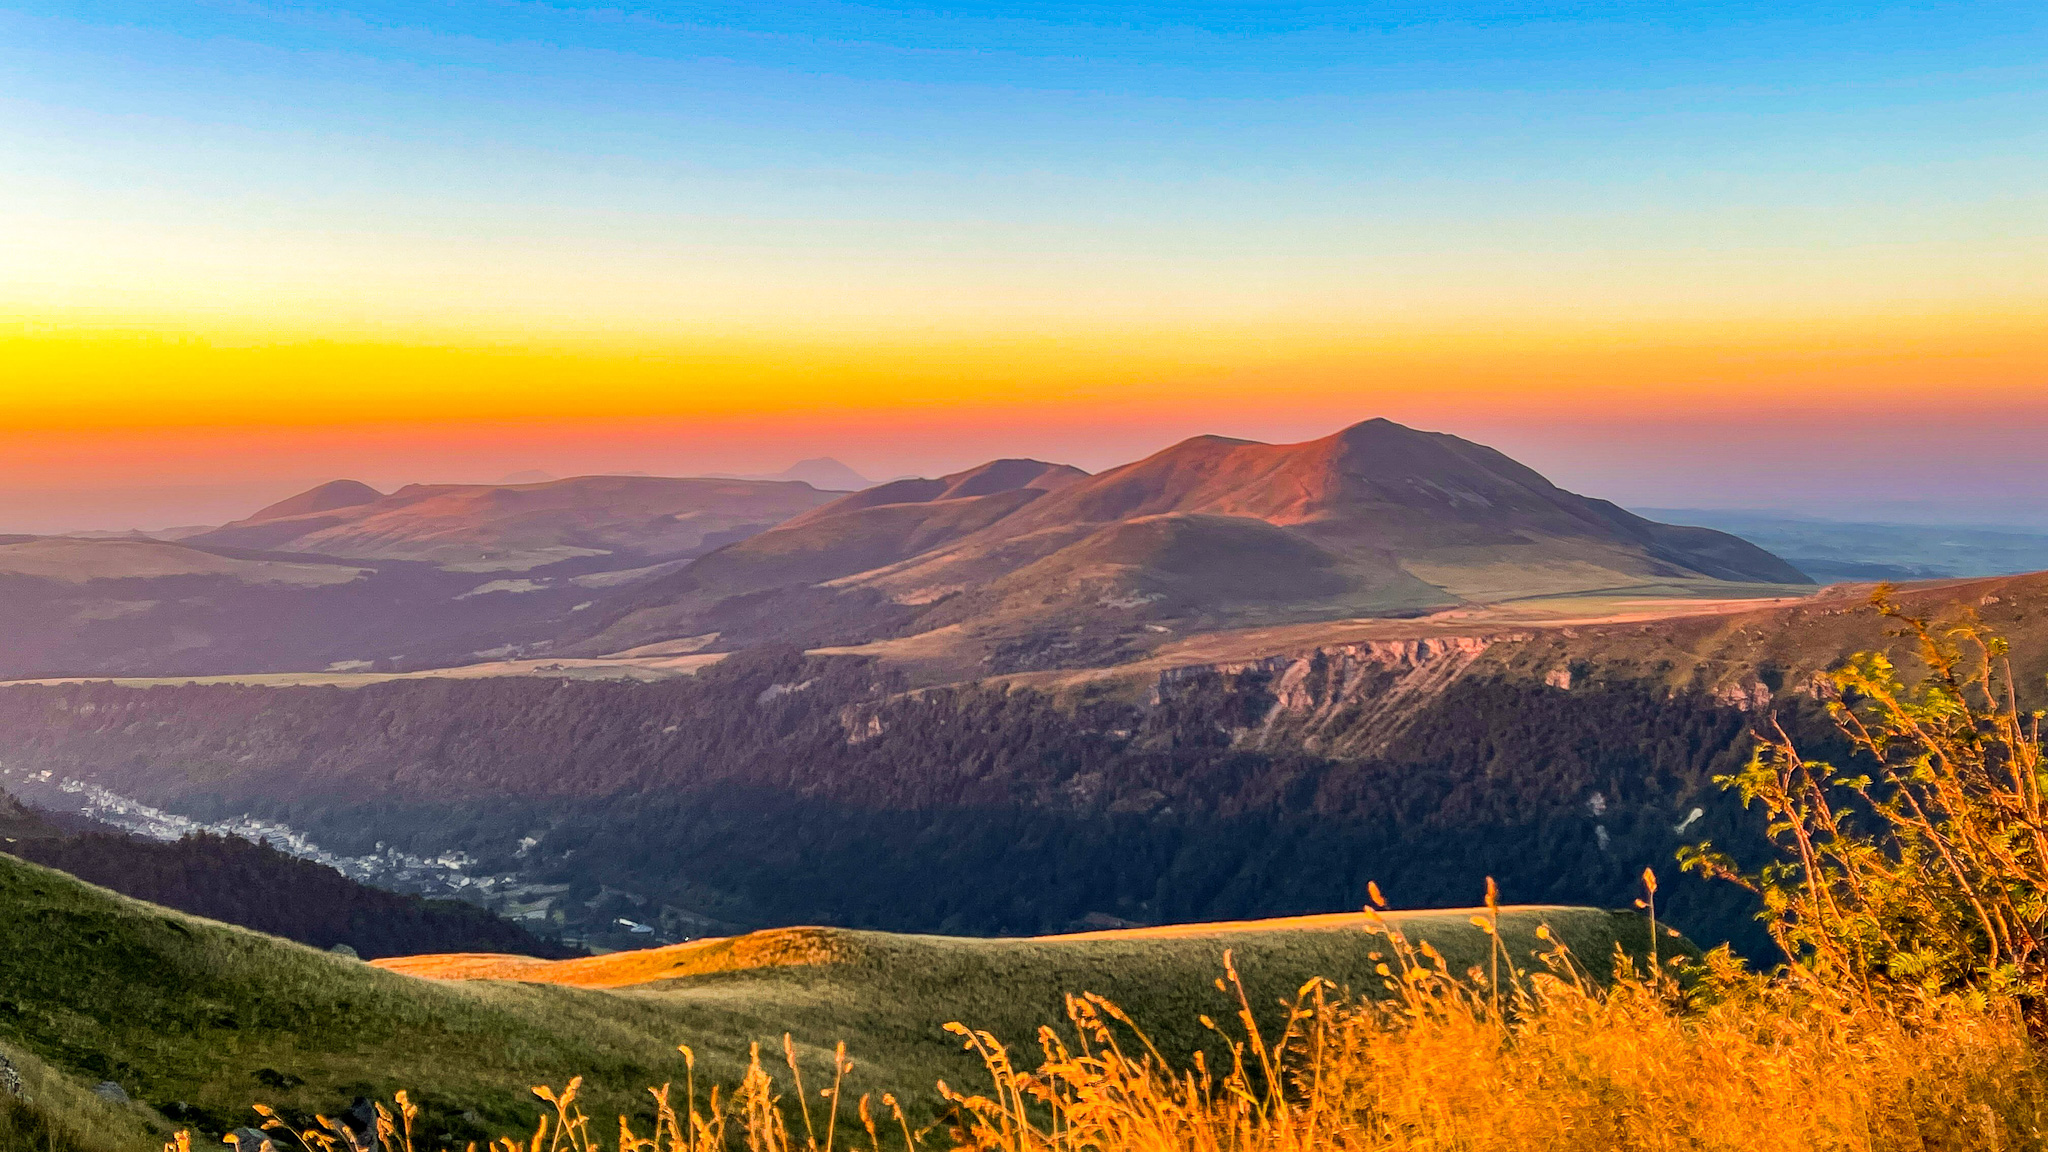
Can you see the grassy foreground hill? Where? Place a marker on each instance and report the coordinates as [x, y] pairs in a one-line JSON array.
[[195, 1020]]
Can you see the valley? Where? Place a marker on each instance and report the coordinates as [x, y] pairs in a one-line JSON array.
[[1162, 736], [865, 577], [991, 737], [271, 883]]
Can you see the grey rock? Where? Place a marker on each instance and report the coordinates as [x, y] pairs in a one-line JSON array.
[[10, 1079], [111, 1092], [345, 950], [359, 1125], [251, 1140]]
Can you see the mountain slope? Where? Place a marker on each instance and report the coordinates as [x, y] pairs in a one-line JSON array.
[[68, 561], [1375, 520], [340, 576], [197, 1019], [856, 533], [256, 886], [494, 527], [328, 497], [1445, 509]]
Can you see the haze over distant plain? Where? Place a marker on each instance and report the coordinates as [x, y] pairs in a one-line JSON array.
[[1771, 256]]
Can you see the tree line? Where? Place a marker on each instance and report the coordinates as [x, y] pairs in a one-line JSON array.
[[777, 788]]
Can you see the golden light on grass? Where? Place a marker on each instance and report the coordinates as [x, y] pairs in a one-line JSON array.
[[1655, 1058]]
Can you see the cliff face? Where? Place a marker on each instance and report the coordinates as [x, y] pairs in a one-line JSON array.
[[1345, 699], [1356, 699]]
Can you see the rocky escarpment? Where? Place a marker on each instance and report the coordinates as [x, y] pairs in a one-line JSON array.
[[1355, 699], [1342, 699]]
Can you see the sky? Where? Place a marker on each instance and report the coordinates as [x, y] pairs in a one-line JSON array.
[[1773, 255]]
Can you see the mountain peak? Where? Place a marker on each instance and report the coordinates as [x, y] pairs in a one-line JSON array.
[[823, 473], [1008, 475], [322, 498], [1378, 427]]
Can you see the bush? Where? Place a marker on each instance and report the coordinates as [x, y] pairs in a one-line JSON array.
[[1922, 869]]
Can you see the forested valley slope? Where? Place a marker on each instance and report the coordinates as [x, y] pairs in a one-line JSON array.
[[779, 787]]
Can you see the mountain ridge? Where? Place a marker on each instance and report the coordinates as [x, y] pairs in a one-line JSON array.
[[515, 527], [825, 473], [328, 497], [1376, 519]]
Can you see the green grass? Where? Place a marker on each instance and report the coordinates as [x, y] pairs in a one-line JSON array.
[[182, 1011]]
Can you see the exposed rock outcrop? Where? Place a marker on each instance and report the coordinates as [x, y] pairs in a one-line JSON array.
[[1748, 695], [1347, 699]]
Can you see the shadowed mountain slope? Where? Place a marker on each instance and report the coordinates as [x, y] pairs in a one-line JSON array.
[[1375, 520], [257, 886]]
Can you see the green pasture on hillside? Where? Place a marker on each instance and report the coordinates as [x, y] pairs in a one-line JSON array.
[[195, 1020]]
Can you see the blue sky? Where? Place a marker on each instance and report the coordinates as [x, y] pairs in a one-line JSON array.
[[1123, 180], [1457, 94]]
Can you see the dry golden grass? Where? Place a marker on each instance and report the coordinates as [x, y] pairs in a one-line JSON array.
[[1412, 923], [1577, 1071], [777, 948], [1495, 1058]]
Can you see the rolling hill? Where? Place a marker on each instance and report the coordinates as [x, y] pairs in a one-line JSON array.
[[519, 527], [1011, 566], [71, 607], [781, 582], [341, 577], [1023, 563], [194, 1020], [67, 561]]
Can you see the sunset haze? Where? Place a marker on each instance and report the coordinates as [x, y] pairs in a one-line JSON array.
[[251, 247]]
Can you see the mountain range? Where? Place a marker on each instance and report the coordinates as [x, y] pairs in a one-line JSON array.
[[821, 472], [1229, 681], [1045, 561], [517, 527], [345, 576], [1012, 565]]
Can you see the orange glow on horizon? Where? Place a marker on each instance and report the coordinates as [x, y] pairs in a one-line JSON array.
[[107, 380], [104, 428]]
